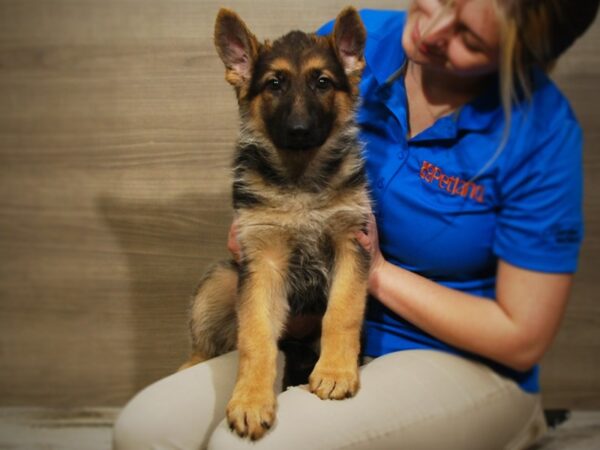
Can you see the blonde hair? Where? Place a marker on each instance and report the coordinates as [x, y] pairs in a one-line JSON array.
[[534, 33], [526, 30]]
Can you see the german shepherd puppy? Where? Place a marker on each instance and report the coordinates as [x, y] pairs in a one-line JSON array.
[[300, 196]]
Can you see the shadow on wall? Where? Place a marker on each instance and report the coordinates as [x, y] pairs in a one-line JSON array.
[[168, 246]]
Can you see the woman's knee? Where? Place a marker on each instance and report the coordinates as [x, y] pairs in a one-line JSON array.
[[138, 426], [179, 411], [407, 400]]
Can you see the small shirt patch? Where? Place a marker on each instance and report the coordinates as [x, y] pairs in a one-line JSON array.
[[564, 233], [452, 184]]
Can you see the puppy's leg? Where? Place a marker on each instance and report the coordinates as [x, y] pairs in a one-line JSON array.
[[195, 358], [261, 315], [213, 322], [335, 375]]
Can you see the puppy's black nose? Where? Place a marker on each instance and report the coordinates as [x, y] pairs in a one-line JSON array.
[[298, 130]]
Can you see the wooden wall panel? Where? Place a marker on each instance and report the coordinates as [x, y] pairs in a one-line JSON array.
[[571, 369], [116, 130]]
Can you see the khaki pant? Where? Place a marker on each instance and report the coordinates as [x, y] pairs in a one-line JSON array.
[[411, 400]]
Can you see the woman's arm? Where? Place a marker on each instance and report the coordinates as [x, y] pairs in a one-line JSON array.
[[515, 330]]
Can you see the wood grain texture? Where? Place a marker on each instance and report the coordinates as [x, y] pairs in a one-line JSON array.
[[116, 132], [571, 369]]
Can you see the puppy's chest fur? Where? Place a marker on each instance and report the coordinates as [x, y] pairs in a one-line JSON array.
[[296, 220]]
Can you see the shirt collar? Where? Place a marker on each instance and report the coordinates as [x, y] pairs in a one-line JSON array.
[[480, 114], [384, 53], [385, 56]]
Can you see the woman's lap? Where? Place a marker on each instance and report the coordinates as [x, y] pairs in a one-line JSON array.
[[179, 411], [414, 399]]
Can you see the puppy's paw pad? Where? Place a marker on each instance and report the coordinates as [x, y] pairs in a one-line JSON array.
[[335, 384], [250, 419]]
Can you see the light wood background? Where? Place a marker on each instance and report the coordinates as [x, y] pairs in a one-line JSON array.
[[116, 130]]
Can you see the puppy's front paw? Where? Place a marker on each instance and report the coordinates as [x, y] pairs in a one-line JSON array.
[[334, 382], [251, 415]]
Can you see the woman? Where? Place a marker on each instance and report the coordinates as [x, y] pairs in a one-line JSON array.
[[474, 160]]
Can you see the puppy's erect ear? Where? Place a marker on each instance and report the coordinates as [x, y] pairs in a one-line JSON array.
[[349, 37], [237, 47]]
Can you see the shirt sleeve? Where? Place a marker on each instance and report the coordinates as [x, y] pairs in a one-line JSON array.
[[540, 221]]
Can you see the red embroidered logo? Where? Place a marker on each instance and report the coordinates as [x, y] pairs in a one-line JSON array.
[[452, 185]]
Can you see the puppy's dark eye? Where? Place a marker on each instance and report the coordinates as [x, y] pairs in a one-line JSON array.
[[274, 84], [323, 83]]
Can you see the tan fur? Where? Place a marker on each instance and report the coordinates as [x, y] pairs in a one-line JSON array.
[[195, 358], [298, 216], [213, 323], [345, 108], [336, 373], [314, 63], [262, 312], [232, 76], [278, 65], [254, 120]]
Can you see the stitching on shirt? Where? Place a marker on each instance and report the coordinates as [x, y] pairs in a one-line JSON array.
[[452, 184]]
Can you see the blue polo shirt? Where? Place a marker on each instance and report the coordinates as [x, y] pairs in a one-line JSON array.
[[448, 206]]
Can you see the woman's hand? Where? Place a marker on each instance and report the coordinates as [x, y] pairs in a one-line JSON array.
[[515, 330], [370, 242], [233, 244]]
